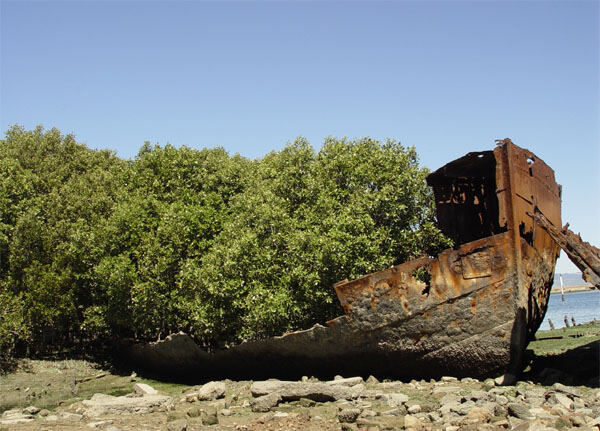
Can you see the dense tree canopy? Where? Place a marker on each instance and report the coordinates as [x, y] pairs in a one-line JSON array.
[[220, 246]]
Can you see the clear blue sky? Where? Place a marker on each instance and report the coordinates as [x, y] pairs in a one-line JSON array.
[[446, 77]]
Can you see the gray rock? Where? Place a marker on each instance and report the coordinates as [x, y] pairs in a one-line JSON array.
[[447, 379], [442, 390], [398, 411], [350, 381], [144, 389], [501, 399], [395, 399], [450, 399], [594, 422], [462, 409], [541, 413], [562, 399], [412, 422], [192, 412], [577, 420], [498, 391], [266, 402], [479, 414], [534, 401], [519, 411], [31, 410], [101, 404], [500, 410], [559, 410], [291, 391], [569, 390], [578, 403], [413, 409], [535, 392], [211, 391], [348, 415], [372, 380], [532, 425], [434, 416], [489, 384], [478, 396]]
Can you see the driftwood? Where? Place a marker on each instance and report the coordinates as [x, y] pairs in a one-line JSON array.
[[584, 255]]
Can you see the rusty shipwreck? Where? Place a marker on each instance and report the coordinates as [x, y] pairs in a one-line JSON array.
[[470, 311]]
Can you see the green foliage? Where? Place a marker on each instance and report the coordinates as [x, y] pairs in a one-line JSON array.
[[306, 221], [180, 239], [12, 328]]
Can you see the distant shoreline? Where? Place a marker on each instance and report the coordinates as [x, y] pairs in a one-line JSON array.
[[571, 289]]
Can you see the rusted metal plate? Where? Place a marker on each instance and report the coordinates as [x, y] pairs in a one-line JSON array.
[[584, 255], [503, 264]]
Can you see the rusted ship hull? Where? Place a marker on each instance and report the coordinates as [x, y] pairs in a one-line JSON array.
[[468, 312], [481, 302]]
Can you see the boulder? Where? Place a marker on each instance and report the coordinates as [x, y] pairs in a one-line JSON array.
[[144, 389], [412, 422], [348, 415], [350, 381], [266, 402], [101, 404], [479, 414], [519, 411], [292, 391], [31, 410], [211, 391], [395, 399], [562, 399]]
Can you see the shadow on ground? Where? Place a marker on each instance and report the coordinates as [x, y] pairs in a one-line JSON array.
[[578, 366]]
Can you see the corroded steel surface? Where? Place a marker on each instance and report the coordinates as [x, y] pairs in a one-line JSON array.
[[503, 265], [470, 311], [584, 255]]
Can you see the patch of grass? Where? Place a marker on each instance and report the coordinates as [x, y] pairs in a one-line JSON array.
[[48, 384], [560, 340]]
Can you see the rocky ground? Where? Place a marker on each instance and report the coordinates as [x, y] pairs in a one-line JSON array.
[[73, 395], [343, 403]]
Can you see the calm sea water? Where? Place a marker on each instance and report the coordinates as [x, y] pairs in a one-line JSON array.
[[583, 306]]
